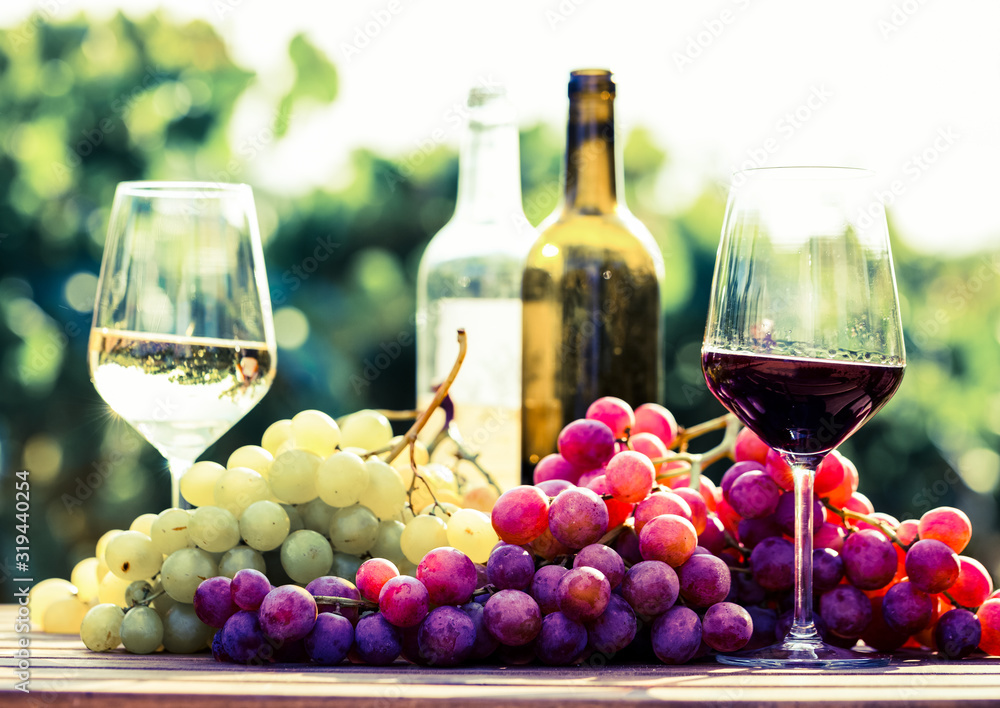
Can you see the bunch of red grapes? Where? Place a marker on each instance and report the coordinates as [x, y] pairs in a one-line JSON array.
[[612, 553]]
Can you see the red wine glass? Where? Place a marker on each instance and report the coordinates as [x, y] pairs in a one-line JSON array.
[[804, 344]]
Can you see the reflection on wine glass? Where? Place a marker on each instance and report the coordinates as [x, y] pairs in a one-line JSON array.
[[804, 343], [182, 344]]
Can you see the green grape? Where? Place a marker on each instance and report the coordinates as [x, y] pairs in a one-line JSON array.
[[142, 630], [64, 616], [162, 604], [102, 544], [101, 627], [236, 559], [240, 487], [183, 632], [341, 479], [131, 555], [45, 594], [316, 432], [276, 435], [305, 556], [406, 515], [112, 589], [264, 525], [252, 457], [407, 568], [353, 530], [345, 566], [422, 535], [293, 476], [143, 523], [441, 509], [169, 532], [385, 494], [316, 515], [367, 429], [387, 543], [84, 577], [471, 532], [198, 483], [213, 529], [183, 570], [295, 522], [137, 592]]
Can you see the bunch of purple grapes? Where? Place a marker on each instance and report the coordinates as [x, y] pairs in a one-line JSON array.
[[611, 553]]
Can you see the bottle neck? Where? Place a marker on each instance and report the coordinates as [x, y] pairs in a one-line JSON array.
[[489, 172], [591, 187]]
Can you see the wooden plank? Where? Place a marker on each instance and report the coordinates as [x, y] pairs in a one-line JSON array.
[[63, 672]]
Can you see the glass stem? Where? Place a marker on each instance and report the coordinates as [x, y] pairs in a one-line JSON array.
[[802, 624], [177, 468]]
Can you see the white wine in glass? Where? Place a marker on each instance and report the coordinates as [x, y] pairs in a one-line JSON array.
[[182, 344]]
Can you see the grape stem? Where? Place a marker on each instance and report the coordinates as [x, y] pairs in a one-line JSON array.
[[345, 602], [452, 432], [846, 514], [698, 461], [734, 543], [955, 602]]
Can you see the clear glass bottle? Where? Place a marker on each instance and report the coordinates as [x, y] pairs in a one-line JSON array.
[[470, 276], [592, 283]]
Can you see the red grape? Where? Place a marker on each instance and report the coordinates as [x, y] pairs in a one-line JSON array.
[[521, 514], [654, 418], [544, 587], [660, 503], [650, 446], [512, 617], [869, 559], [973, 585], [907, 531], [651, 587], [583, 594], [948, 525], [213, 601], [754, 495], [249, 587], [555, 466], [404, 601], [668, 538], [372, 575], [586, 443], [829, 536], [449, 576], [989, 621], [614, 413], [699, 509], [932, 566], [779, 470], [577, 517], [713, 537], [734, 472], [287, 613], [630, 476], [749, 447], [604, 559], [618, 511]]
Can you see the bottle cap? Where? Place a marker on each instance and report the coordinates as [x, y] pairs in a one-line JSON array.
[[591, 81]]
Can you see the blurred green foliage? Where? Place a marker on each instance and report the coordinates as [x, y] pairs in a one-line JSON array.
[[85, 104]]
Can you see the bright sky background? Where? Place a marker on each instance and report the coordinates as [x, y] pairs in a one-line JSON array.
[[910, 88]]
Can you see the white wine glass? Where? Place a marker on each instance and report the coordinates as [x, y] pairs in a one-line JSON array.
[[182, 344], [804, 344]]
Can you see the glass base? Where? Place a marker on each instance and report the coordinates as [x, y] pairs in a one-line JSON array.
[[804, 654]]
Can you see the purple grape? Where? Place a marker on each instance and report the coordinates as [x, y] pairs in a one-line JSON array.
[[932, 566], [213, 601], [552, 487], [219, 651], [583, 594], [735, 472], [578, 517], [332, 586], [561, 640], [244, 641], [586, 444], [510, 567], [449, 576], [604, 559], [410, 637], [377, 641], [627, 545], [614, 629], [404, 601], [704, 580], [747, 590], [330, 639], [957, 633], [512, 617], [828, 569], [906, 609], [544, 587], [773, 564], [676, 635], [446, 637], [764, 621], [846, 610], [870, 560], [651, 588], [726, 626], [287, 613], [752, 531], [248, 588], [784, 514], [485, 643], [754, 495]]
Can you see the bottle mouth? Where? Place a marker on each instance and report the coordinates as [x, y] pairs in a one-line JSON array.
[[591, 81]]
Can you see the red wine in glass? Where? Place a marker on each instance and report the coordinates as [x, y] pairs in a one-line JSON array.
[[800, 405]]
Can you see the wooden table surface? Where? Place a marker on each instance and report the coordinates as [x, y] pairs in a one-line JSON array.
[[64, 673]]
